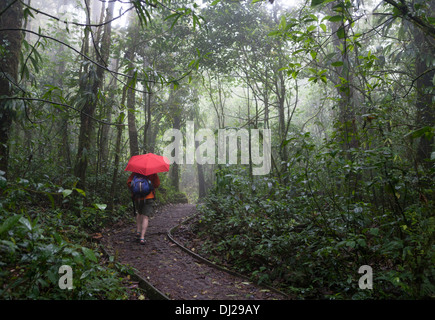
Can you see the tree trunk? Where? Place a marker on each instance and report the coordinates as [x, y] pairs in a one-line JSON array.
[[105, 129], [153, 131], [131, 101], [63, 127], [119, 130], [281, 92], [174, 109], [425, 106], [346, 109], [200, 170], [84, 139], [266, 100], [11, 43], [104, 142], [95, 81], [201, 180], [130, 87], [175, 175], [147, 98]]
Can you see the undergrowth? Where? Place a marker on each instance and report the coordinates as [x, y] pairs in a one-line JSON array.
[[309, 230], [43, 227]]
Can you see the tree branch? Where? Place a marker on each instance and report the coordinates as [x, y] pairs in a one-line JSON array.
[[76, 23], [404, 9], [112, 72], [62, 105], [413, 81]]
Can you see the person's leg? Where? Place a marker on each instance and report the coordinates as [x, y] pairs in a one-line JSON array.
[[146, 210], [144, 226], [138, 224], [141, 225]]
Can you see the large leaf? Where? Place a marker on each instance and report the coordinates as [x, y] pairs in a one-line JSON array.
[[337, 64], [9, 223], [316, 2], [26, 222], [80, 191], [66, 192], [338, 18], [100, 206], [89, 254], [341, 33], [428, 131]]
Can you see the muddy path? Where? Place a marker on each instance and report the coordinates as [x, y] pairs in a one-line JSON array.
[[171, 270]]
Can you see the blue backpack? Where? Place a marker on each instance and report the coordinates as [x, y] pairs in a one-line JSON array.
[[141, 186]]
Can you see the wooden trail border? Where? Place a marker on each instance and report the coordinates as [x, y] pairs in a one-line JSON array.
[[155, 294], [212, 264]]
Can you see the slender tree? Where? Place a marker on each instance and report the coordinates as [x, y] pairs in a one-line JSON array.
[[11, 17], [131, 87], [91, 88], [424, 46]]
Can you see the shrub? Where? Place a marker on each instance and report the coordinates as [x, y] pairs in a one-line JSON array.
[[330, 212], [35, 241]]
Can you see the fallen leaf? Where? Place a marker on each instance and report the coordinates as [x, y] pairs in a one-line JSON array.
[[97, 236], [133, 286]]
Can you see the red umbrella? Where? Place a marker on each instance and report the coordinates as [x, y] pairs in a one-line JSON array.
[[147, 164]]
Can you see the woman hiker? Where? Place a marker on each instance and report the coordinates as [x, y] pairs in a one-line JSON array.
[[144, 206]]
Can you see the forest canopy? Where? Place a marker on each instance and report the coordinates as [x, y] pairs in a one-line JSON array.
[[345, 88]]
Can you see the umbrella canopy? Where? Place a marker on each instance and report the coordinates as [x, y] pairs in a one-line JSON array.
[[147, 164]]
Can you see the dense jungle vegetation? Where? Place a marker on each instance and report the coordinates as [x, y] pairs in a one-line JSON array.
[[346, 88]]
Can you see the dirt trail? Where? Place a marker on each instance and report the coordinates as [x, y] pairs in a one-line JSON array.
[[171, 270]]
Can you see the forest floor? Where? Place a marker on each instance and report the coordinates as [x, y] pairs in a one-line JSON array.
[[174, 272]]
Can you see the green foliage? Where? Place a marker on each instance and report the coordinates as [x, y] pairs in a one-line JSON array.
[[350, 193], [328, 214], [31, 258], [38, 240], [168, 194], [318, 2]]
